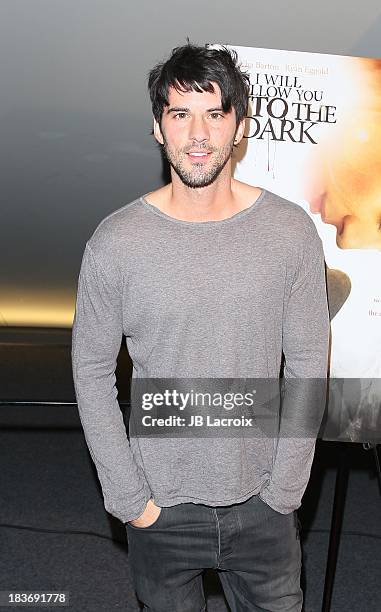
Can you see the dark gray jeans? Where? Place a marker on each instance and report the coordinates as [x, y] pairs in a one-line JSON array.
[[255, 550]]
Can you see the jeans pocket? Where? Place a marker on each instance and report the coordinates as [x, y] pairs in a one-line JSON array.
[[153, 525], [267, 507]]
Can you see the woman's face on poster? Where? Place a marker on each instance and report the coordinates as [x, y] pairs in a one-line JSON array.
[[343, 176], [345, 183]]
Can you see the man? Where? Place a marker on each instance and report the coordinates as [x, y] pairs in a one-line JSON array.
[[208, 278]]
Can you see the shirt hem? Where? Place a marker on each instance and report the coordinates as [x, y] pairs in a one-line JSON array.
[[165, 502]]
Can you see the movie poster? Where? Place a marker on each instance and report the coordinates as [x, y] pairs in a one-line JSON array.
[[313, 136]]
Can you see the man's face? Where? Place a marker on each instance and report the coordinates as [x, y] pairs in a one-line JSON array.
[[198, 136]]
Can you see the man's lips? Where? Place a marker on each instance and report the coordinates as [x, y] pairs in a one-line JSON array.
[[198, 155]]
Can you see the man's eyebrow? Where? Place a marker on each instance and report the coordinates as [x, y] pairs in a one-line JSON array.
[[180, 109]]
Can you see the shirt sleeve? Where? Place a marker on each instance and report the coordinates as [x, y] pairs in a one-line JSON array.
[[303, 398], [96, 340]]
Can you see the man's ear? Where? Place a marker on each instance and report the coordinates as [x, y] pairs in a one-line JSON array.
[[240, 131], [157, 132]]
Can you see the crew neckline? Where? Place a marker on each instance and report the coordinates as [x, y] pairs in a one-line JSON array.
[[238, 215]]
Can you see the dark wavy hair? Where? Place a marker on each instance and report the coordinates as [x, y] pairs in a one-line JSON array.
[[192, 67]]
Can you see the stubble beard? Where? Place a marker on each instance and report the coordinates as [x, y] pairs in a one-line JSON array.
[[199, 176]]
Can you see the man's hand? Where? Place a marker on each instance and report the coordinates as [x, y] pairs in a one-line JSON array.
[[148, 517]]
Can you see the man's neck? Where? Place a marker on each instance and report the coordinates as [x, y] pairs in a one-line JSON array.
[[211, 203], [220, 200]]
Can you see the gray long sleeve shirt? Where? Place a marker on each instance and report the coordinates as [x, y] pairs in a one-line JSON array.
[[198, 299]]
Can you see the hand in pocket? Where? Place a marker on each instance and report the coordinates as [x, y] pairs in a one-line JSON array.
[[148, 517]]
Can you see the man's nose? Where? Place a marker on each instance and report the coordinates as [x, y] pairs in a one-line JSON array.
[[199, 131], [359, 233]]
